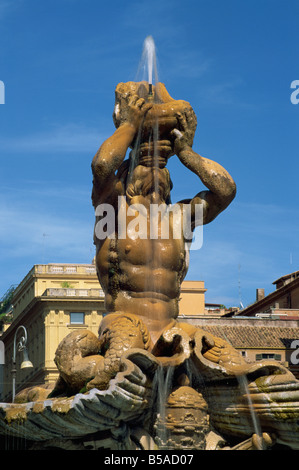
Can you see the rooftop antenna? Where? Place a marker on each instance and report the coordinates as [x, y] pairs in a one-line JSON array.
[[239, 286], [43, 253]]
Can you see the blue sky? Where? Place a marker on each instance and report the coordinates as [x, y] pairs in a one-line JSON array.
[[233, 60]]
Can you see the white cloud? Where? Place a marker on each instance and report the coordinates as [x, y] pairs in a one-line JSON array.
[[28, 233], [65, 138], [228, 93], [43, 225], [43, 222]]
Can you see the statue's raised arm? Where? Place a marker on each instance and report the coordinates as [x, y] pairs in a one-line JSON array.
[[112, 152], [221, 188]]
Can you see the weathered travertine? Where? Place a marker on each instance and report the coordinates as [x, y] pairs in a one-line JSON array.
[[147, 377]]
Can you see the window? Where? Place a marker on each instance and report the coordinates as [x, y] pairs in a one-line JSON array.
[[77, 318], [276, 357]]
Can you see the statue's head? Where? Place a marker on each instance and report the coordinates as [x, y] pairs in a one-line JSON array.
[[160, 120]]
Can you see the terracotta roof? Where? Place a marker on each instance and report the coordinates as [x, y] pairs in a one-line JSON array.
[[270, 299], [295, 274], [255, 337]]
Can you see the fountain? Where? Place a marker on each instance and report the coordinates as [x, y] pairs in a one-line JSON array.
[[149, 381]]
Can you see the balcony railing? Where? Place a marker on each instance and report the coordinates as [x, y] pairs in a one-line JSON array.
[[65, 269], [61, 292]]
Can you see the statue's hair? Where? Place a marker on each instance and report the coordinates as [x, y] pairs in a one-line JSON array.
[[139, 185]]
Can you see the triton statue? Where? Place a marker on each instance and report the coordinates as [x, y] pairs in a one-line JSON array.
[[108, 384], [141, 277]]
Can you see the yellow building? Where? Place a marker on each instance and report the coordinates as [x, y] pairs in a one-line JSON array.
[[192, 299], [53, 300]]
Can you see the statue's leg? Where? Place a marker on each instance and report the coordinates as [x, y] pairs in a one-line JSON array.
[[118, 333]]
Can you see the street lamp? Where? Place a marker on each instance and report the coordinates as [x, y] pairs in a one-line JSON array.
[[21, 346]]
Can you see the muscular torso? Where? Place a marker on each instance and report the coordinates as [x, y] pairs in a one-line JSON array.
[[142, 277]]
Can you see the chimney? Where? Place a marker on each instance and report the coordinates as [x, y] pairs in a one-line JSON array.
[[260, 294]]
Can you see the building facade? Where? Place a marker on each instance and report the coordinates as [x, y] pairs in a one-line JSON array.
[[51, 301], [282, 303], [257, 338]]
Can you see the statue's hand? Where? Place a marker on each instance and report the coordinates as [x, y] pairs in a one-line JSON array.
[[137, 109], [182, 135]]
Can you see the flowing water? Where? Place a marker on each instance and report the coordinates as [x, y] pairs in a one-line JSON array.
[[147, 69], [243, 382], [147, 72], [162, 387]]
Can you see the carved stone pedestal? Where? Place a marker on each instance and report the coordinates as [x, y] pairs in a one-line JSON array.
[[185, 423]]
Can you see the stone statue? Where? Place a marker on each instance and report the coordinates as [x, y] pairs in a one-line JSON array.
[[108, 384], [141, 285], [142, 276]]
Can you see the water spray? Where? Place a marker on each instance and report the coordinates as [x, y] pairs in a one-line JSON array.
[[149, 52], [150, 90]]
